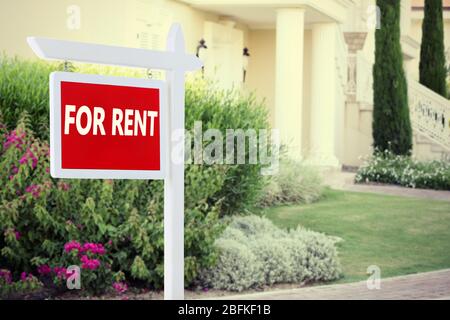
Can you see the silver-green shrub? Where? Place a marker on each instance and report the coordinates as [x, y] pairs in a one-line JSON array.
[[321, 254], [295, 183], [237, 267], [254, 226], [253, 252], [275, 260]]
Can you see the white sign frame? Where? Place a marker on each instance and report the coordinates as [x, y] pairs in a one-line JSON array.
[[56, 169]]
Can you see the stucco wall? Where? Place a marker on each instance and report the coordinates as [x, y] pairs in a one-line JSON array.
[[261, 73], [114, 22]]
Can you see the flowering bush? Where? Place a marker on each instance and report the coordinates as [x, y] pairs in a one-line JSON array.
[[24, 86], [117, 225], [386, 167], [39, 215], [96, 275], [9, 288]]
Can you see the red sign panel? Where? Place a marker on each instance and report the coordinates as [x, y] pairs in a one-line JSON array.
[[106, 127]]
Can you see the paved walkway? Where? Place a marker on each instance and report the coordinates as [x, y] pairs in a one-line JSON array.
[[423, 286], [344, 181]]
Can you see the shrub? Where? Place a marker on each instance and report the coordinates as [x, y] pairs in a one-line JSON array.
[[38, 215], [385, 167], [49, 213], [24, 86], [28, 283], [229, 110], [295, 183], [254, 253], [275, 260], [321, 255], [391, 124], [238, 269]]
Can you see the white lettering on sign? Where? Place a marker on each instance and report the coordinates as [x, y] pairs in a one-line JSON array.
[[128, 122]]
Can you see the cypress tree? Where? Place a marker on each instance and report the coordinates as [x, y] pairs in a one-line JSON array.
[[391, 127], [432, 67]]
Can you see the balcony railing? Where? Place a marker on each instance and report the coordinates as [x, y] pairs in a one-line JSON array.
[[430, 113]]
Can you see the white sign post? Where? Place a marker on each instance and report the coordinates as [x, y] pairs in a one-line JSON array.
[[176, 62]]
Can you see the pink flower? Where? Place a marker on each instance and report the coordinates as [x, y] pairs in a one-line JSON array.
[[34, 189], [90, 264], [23, 276], [64, 186], [94, 248], [72, 245], [44, 269], [29, 155], [120, 287], [16, 233], [13, 139], [60, 272], [6, 275]]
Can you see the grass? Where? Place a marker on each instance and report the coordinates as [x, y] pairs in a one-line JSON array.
[[400, 235]]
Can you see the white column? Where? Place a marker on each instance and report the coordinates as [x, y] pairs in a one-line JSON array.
[[289, 78], [324, 97]]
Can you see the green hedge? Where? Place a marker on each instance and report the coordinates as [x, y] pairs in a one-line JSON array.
[[49, 213]]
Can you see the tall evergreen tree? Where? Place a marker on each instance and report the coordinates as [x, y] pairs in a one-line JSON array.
[[391, 126], [432, 67]]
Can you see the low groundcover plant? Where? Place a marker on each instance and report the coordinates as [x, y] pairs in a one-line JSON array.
[[255, 253], [386, 167]]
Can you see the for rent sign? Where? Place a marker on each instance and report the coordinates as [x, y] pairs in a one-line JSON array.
[[106, 127], [116, 128]]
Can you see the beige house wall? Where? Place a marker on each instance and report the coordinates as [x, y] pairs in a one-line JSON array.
[[112, 22], [261, 72]]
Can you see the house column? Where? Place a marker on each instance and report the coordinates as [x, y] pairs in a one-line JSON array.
[[289, 78], [324, 97]]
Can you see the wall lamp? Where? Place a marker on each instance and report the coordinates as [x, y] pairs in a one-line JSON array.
[[245, 57], [200, 48]]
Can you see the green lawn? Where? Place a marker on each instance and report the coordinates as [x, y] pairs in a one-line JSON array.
[[400, 235]]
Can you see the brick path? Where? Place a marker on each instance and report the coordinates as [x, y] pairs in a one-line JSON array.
[[429, 286]]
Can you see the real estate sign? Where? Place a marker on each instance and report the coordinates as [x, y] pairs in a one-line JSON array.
[[107, 127], [117, 128]]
